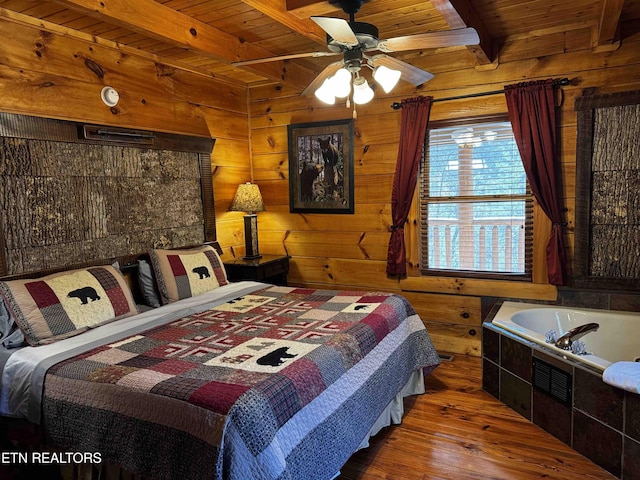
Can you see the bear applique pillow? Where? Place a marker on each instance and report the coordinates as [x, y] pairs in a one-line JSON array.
[[65, 304], [186, 273]]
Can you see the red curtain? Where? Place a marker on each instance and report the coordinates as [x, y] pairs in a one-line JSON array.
[[415, 116], [531, 107]]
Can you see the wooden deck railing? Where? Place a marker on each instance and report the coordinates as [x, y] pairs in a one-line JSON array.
[[490, 244]]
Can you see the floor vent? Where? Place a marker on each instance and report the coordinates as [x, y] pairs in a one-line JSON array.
[[552, 380], [446, 357]]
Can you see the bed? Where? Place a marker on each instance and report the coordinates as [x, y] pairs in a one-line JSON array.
[[236, 381]]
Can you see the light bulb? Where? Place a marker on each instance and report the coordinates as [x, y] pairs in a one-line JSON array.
[[386, 77], [362, 93], [341, 83], [325, 92]]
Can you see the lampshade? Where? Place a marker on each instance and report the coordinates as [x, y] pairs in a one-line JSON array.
[[247, 199], [341, 83], [362, 92], [325, 92], [386, 77]]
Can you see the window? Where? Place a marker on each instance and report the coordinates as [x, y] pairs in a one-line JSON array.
[[475, 205]]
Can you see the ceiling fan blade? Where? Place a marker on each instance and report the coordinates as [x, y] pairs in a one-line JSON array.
[[326, 73], [408, 72], [284, 57], [445, 38], [338, 29]]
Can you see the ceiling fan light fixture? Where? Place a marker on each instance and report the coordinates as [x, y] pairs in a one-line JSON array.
[[341, 83], [325, 92], [354, 40], [362, 92], [386, 77]]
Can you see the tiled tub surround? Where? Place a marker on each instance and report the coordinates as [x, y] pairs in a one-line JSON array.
[[599, 421]]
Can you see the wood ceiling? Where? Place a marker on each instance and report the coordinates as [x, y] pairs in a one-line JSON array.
[[207, 36]]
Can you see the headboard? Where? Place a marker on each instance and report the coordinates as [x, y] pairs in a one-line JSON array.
[[75, 194]]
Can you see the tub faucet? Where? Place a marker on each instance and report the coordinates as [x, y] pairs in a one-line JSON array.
[[568, 338]]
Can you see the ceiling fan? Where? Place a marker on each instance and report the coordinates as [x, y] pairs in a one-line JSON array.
[[356, 40]]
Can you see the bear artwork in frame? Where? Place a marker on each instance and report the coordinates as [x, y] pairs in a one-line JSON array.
[[321, 167]]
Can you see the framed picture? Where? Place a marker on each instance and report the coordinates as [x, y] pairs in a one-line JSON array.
[[321, 167]]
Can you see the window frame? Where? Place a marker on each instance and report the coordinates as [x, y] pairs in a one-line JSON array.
[[423, 199]]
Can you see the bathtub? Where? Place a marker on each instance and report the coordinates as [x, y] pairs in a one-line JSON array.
[[617, 339]]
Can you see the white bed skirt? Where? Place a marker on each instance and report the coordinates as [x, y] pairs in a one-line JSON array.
[[394, 411]]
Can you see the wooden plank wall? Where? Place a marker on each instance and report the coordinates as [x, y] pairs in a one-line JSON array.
[[349, 251], [50, 71]]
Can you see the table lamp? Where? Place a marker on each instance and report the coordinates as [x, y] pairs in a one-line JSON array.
[[248, 199]]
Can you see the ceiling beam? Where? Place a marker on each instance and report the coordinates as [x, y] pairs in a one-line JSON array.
[[607, 36], [165, 24], [309, 8], [277, 10], [41, 24], [461, 14], [293, 4]]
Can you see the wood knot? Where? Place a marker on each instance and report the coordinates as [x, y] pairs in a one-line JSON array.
[[193, 31], [40, 48], [94, 67]]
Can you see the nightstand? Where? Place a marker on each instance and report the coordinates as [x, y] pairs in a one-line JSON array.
[[268, 269]]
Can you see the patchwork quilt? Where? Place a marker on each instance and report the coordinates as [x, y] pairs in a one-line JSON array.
[[279, 383]]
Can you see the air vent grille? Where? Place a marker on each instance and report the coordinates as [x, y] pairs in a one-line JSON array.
[[118, 135], [552, 380]]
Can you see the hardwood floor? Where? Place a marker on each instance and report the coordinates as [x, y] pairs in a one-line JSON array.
[[457, 431]]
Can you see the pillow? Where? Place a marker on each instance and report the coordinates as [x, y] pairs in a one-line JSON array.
[[10, 334], [6, 322], [187, 273], [65, 304], [147, 284]]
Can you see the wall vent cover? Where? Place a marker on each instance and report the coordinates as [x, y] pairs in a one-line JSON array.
[[118, 135], [552, 380]]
